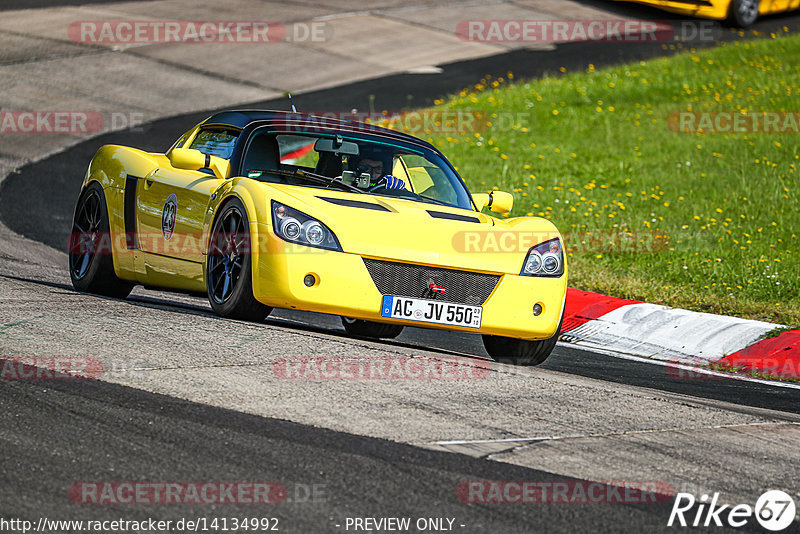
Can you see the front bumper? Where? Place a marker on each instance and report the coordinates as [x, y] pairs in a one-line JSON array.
[[345, 287]]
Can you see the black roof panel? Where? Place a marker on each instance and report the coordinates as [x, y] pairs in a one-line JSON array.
[[306, 122]]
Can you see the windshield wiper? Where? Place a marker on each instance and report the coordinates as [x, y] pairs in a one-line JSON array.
[[328, 180], [312, 177]]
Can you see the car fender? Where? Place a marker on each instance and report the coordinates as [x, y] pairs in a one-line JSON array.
[[112, 164], [111, 167], [255, 201]]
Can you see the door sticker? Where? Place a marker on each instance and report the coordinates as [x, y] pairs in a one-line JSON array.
[[168, 216]]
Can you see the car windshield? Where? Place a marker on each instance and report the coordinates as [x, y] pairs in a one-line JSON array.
[[364, 165]]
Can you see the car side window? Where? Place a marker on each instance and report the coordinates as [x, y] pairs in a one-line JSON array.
[[288, 153], [215, 142], [425, 178]]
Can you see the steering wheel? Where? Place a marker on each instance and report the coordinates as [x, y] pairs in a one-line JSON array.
[[382, 181], [377, 187]]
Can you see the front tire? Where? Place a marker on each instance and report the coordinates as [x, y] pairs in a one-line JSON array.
[[91, 263], [361, 328], [229, 275], [521, 351], [743, 13]]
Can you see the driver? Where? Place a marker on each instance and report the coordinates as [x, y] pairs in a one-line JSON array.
[[374, 165]]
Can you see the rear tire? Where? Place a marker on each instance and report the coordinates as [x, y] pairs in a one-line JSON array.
[[361, 328], [743, 13], [521, 351], [91, 260], [229, 275]]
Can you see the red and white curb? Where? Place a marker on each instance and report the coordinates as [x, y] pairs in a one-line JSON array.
[[679, 337]]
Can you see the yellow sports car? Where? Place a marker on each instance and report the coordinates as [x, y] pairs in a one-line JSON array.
[[742, 13], [263, 209]]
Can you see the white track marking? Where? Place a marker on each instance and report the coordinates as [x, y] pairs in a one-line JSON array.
[[660, 332]]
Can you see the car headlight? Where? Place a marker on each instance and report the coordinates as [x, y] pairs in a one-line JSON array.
[[297, 227], [546, 259]]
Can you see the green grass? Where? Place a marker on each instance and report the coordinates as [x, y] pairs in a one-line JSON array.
[[715, 216]]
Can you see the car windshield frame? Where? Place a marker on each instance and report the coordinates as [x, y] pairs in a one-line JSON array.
[[434, 157]]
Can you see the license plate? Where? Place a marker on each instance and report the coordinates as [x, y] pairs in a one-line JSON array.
[[431, 311]]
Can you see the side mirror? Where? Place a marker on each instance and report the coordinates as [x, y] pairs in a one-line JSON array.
[[187, 158], [193, 160], [497, 201], [500, 201]]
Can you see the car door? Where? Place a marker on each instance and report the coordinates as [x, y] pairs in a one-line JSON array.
[[170, 211]]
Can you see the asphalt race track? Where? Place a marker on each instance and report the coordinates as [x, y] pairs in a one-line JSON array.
[[145, 436], [187, 396]]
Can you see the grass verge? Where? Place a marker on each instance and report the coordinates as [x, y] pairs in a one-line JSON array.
[[705, 221]]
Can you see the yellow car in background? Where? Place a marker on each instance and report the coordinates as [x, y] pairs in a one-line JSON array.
[[263, 209], [742, 13]]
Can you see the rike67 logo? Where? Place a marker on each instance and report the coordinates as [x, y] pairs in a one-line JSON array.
[[774, 510]]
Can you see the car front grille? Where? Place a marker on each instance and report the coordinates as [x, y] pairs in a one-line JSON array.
[[407, 280]]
